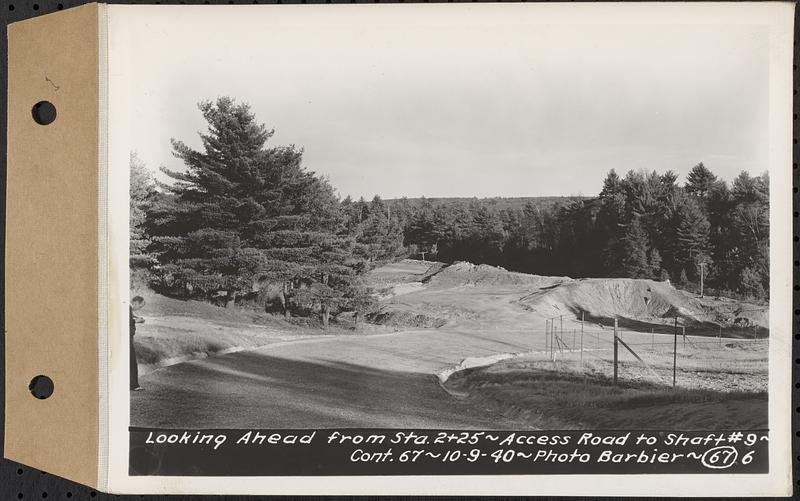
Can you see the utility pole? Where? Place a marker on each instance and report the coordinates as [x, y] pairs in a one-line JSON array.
[[615, 351], [675, 354]]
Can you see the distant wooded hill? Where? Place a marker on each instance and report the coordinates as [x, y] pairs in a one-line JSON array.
[[497, 203]]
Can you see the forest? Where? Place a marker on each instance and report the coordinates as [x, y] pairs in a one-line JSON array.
[[247, 223]]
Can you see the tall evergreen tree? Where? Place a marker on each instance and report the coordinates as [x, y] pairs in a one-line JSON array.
[[635, 263], [700, 181], [379, 237], [245, 217], [692, 237]]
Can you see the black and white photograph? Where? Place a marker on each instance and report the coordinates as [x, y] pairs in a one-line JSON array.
[[449, 222]]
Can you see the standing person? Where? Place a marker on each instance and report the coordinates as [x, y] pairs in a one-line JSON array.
[[136, 304]]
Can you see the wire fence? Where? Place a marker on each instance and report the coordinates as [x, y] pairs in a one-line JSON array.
[[707, 350]]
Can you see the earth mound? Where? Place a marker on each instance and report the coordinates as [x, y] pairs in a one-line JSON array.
[[614, 297], [463, 273]]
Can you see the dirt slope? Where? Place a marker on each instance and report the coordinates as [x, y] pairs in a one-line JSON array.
[[609, 298], [464, 274], [424, 294]]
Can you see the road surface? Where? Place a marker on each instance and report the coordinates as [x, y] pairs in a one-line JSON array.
[[384, 380]]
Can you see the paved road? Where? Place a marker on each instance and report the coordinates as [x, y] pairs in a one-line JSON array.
[[385, 380]]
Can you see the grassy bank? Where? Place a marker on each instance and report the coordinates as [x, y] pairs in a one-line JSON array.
[[176, 331], [546, 397]]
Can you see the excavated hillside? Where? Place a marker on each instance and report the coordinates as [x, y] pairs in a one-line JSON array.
[[640, 300], [613, 297], [434, 294], [464, 274]]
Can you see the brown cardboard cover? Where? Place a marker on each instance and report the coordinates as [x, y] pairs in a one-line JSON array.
[[51, 244]]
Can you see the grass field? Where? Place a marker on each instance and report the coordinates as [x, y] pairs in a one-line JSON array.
[[719, 386]]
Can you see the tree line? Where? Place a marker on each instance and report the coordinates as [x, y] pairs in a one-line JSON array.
[[642, 225], [245, 222]]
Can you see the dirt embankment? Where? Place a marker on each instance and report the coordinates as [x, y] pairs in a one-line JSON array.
[[639, 300], [434, 294], [464, 274]]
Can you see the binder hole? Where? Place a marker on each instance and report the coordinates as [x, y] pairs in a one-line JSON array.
[[60, 6], [36, 6], [44, 113], [41, 387], [11, 6]]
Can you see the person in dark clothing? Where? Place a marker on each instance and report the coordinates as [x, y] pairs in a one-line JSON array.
[[136, 304]]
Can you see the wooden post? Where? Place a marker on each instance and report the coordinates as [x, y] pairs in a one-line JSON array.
[[652, 338], [615, 351], [720, 335], [546, 335], [683, 327], [755, 331], [675, 354]]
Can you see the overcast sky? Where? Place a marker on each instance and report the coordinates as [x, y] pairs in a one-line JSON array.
[[458, 102]]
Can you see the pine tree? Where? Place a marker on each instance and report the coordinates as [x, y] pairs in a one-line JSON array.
[[655, 263], [247, 218], [634, 262], [611, 220], [700, 181], [378, 237], [691, 246]]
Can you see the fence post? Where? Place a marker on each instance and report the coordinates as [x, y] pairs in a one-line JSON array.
[[675, 353], [755, 331], [546, 331], [615, 351], [720, 335], [652, 338], [684, 335]]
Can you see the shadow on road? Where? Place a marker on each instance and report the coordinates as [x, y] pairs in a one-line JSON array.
[[259, 390]]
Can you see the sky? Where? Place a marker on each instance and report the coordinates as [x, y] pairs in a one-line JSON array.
[[457, 102]]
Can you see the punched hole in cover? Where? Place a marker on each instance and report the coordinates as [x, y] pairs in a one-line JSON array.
[[44, 113], [41, 387]]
